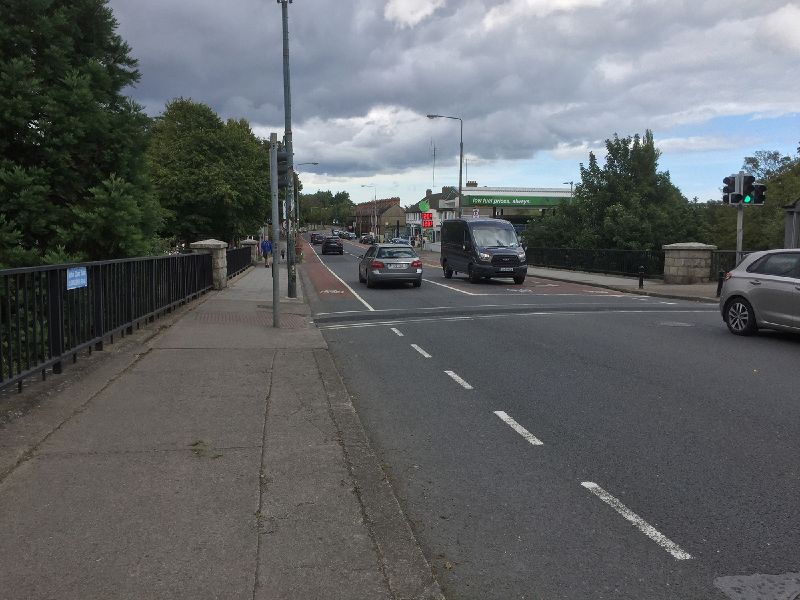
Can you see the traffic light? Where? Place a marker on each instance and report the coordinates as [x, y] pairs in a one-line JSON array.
[[729, 188], [759, 193], [748, 181], [283, 168]]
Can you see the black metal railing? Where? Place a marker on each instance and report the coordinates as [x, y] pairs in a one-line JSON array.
[[49, 313], [616, 262], [238, 260], [724, 260]]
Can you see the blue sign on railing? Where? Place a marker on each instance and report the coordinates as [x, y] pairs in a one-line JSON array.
[[76, 278]]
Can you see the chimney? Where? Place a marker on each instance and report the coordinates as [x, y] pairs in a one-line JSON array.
[[428, 193], [472, 184]]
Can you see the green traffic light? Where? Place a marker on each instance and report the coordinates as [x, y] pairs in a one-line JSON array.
[[747, 199]]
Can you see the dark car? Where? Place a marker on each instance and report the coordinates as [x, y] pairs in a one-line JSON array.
[[390, 262], [367, 238], [763, 291], [317, 238], [482, 248], [332, 245]]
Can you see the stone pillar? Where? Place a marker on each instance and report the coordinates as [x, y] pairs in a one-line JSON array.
[[791, 236], [254, 258], [688, 263], [219, 259]]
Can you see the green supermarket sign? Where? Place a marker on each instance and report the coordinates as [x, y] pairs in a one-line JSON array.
[[504, 200]]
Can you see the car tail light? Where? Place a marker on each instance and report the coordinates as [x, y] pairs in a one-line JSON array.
[[376, 264], [416, 264]]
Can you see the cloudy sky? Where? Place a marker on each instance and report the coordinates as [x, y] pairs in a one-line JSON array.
[[538, 83]]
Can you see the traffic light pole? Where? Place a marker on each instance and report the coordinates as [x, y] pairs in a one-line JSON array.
[[291, 268], [276, 226], [739, 216], [739, 231]]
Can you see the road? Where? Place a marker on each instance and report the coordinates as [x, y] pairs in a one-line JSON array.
[[554, 440]]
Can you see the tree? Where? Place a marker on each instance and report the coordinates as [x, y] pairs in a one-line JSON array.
[[211, 177], [626, 204], [66, 129]]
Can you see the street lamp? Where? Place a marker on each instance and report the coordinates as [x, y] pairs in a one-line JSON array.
[[461, 153], [570, 187], [374, 206]]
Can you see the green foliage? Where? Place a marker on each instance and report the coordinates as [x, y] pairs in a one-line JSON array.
[[325, 207], [65, 127], [210, 177], [626, 204]]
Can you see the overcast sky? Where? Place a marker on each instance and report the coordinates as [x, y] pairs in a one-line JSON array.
[[538, 83]]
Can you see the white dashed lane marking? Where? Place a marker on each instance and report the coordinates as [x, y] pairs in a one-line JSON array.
[[420, 350], [459, 381], [519, 428], [397, 331], [642, 525]]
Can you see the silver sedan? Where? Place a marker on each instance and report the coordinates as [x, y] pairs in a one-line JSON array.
[[763, 291], [390, 262]]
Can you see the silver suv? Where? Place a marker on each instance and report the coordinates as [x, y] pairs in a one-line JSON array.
[[763, 291]]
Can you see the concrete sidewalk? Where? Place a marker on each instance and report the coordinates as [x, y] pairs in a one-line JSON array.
[[700, 292], [214, 456]]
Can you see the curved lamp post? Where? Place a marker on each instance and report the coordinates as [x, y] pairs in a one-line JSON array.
[[461, 153]]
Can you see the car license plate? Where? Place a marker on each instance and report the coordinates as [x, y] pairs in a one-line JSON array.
[[506, 269], [397, 265]]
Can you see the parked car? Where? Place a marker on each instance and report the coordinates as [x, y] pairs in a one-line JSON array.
[[333, 245], [367, 238], [317, 238], [390, 262], [482, 248], [400, 240], [763, 291]]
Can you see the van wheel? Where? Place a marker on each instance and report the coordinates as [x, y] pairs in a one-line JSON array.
[[519, 280], [473, 278], [448, 272]]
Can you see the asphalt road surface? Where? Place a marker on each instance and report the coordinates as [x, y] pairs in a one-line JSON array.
[[554, 440]]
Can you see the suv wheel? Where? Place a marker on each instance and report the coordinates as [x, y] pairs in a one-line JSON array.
[[519, 280], [739, 317]]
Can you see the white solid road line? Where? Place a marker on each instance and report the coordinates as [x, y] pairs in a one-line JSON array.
[[450, 287], [352, 291], [459, 381], [420, 350], [510, 314], [641, 524], [397, 331], [519, 428]]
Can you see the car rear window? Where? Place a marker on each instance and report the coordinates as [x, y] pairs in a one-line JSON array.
[[396, 253]]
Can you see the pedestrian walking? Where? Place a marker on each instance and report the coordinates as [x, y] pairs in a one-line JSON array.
[[266, 251], [283, 253]]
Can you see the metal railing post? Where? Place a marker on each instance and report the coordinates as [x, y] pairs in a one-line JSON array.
[[55, 318]]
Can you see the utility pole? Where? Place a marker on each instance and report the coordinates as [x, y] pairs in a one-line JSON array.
[[291, 268], [276, 226]]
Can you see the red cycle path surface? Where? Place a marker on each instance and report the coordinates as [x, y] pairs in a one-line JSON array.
[[325, 284]]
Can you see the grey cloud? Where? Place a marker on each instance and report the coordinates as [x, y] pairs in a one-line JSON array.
[[537, 82]]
